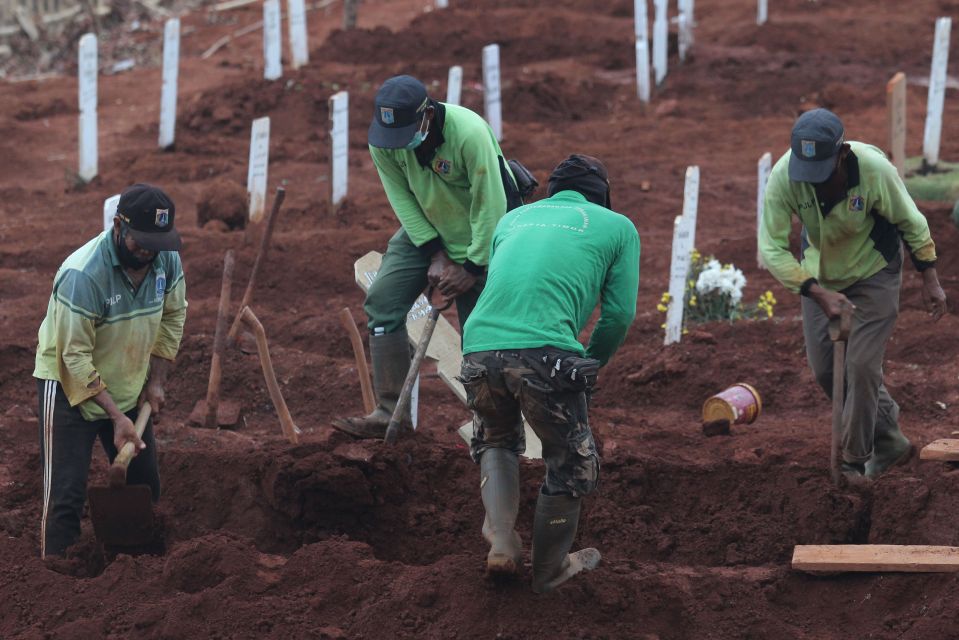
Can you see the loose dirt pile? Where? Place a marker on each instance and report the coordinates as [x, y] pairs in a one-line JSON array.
[[335, 538]]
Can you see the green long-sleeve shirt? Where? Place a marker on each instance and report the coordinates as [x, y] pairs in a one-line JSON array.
[[99, 326], [858, 235], [551, 262], [459, 198]]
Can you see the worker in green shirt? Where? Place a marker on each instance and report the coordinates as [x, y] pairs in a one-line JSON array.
[[112, 329], [856, 214], [446, 179], [551, 262]]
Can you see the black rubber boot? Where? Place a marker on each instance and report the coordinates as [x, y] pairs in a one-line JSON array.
[[554, 529], [499, 486], [390, 356], [891, 448]]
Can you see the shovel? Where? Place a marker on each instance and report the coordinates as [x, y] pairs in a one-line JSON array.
[[403, 402], [123, 515], [839, 333]]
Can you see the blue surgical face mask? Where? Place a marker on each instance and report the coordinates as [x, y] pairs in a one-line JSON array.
[[419, 136]]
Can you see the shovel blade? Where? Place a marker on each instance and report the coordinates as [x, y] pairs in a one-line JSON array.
[[122, 516]]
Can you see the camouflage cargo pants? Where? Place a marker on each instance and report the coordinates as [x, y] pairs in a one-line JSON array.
[[503, 386]]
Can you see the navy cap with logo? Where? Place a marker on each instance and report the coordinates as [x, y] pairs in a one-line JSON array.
[[817, 137], [397, 112], [149, 212]]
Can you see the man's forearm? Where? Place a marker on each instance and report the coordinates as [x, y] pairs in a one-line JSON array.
[[105, 401], [159, 368]]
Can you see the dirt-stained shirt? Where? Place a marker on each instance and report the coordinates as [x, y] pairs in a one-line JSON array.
[[552, 261], [459, 197], [98, 325], [856, 237]]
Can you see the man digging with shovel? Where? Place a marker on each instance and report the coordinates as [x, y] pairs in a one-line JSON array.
[[551, 261], [113, 327], [856, 214], [448, 184]]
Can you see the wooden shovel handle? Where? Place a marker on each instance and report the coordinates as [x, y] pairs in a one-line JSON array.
[[840, 327], [359, 354], [403, 403], [122, 461]]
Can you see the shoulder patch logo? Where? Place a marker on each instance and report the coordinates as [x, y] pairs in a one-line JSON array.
[[809, 148], [162, 217], [443, 166], [386, 115], [856, 203]]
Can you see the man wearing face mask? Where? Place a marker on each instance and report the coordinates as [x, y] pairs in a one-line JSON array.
[[112, 329], [856, 215], [446, 179]]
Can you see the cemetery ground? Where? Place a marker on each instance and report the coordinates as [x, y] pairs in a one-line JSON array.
[[336, 538]]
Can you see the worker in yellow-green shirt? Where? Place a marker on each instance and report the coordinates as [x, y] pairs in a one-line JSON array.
[[112, 329], [448, 183], [856, 216]]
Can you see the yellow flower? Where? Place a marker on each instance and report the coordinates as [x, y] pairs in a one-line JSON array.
[[692, 301], [665, 297], [695, 255], [769, 313], [661, 307], [692, 283], [662, 326], [685, 330]]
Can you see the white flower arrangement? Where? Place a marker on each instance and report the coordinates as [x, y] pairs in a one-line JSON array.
[[722, 279]]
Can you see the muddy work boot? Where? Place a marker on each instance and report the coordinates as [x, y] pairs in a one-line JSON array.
[[499, 486], [554, 528], [390, 355], [891, 448]]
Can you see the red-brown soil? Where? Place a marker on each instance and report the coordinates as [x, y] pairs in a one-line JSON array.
[[338, 539]]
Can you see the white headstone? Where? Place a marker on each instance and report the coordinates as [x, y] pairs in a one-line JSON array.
[[685, 36], [272, 69], [660, 41], [763, 167], [454, 85], [299, 52], [339, 145], [259, 163], [937, 92], [87, 98], [440, 4], [762, 12], [687, 8], [684, 240], [491, 89], [641, 24], [171, 72], [109, 211]]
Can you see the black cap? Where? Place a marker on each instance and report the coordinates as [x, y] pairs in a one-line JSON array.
[[584, 174], [816, 139], [397, 112], [148, 212]]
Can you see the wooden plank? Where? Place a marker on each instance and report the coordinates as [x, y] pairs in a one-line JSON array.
[[875, 557], [896, 109], [945, 449], [444, 346]]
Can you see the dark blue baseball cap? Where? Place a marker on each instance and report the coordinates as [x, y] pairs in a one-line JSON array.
[[397, 112], [816, 139]]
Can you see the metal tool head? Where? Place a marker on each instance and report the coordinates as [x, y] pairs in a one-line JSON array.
[[122, 516]]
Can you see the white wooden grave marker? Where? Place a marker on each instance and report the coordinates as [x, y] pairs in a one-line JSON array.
[[491, 89], [168, 91], [454, 85], [896, 107], [642, 50], [109, 211], [763, 167], [685, 36], [272, 69], [299, 52], [442, 4], [687, 7], [444, 346], [660, 41], [87, 98], [762, 12], [259, 163], [339, 145], [684, 240], [937, 92]]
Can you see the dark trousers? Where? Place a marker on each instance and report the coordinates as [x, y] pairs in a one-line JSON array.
[[66, 446], [400, 280], [869, 411], [503, 386]]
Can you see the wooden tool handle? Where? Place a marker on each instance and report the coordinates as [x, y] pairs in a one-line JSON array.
[[403, 403], [290, 430], [118, 470], [359, 354], [840, 327]]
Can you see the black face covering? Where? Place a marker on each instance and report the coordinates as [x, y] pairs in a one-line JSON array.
[[584, 175], [127, 258]]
